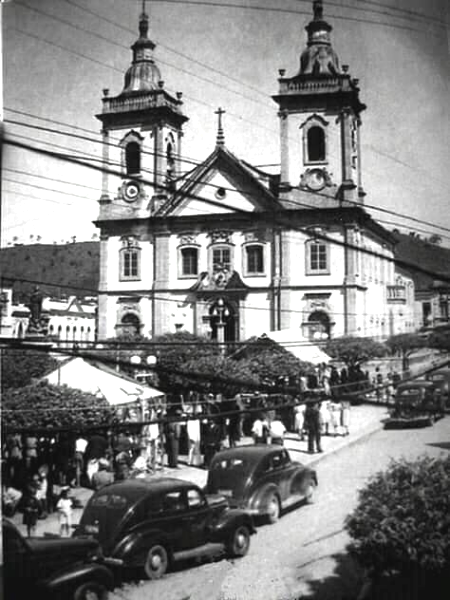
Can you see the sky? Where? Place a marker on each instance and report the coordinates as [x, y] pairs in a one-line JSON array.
[[58, 56]]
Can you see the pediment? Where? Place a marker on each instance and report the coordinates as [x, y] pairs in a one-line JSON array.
[[220, 185]]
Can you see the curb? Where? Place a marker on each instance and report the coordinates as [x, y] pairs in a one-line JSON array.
[[365, 434]]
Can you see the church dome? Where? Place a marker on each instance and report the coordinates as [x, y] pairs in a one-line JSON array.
[[143, 75], [319, 58]]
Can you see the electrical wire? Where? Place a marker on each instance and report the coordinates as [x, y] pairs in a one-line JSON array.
[[280, 219]]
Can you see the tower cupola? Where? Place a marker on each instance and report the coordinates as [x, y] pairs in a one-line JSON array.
[[319, 58], [143, 74]]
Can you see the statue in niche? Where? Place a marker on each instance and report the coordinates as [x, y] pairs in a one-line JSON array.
[[35, 306]]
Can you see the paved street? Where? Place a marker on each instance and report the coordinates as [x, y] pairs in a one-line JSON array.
[[303, 555]]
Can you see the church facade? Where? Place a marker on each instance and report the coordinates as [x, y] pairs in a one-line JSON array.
[[228, 250]]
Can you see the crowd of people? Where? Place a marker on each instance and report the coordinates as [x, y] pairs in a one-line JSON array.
[[34, 466]]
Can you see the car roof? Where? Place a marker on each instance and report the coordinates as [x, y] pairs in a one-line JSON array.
[[253, 452], [137, 488], [413, 384]]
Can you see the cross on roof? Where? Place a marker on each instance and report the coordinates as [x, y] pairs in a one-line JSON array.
[[220, 141]]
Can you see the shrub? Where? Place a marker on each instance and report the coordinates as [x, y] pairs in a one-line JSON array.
[[402, 521]]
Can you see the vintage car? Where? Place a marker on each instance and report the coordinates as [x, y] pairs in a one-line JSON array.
[[441, 379], [151, 523], [260, 478], [53, 568], [416, 404]]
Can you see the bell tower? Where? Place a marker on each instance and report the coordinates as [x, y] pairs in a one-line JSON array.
[[142, 133], [320, 120]]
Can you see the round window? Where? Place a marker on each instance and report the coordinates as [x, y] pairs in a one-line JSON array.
[[221, 193]]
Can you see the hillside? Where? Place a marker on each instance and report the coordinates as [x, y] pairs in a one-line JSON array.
[[428, 256], [77, 265], [53, 266]]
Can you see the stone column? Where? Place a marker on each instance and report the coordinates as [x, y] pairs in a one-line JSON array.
[[102, 314], [105, 160], [284, 148], [160, 308]]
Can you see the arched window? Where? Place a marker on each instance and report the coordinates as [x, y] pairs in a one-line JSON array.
[[254, 259], [133, 158], [59, 332], [316, 144], [188, 261]]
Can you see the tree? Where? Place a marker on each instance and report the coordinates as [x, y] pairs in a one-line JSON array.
[[354, 350], [440, 339], [401, 526], [20, 367], [405, 344], [43, 406]]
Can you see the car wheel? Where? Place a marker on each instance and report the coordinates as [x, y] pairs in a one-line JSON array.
[[310, 492], [156, 562], [239, 542], [91, 591], [273, 508]]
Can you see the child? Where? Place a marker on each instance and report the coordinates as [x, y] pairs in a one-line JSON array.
[[31, 510], [64, 508]]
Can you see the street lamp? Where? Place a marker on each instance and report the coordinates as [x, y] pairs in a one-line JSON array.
[[221, 312]]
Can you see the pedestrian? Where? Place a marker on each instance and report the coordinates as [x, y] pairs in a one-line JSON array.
[[31, 507], [193, 411], [31, 452], [260, 429], [103, 476], [345, 416], [378, 383], [277, 430], [64, 506], [334, 410], [299, 420], [42, 492], [325, 416], [10, 499], [313, 426], [80, 448], [172, 435]]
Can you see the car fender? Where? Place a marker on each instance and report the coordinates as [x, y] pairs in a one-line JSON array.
[[133, 547], [78, 574], [228, 521], [259, 497], [300, 480]]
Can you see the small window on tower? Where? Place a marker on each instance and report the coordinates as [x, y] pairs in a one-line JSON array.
[[133, 158], [316, 144]]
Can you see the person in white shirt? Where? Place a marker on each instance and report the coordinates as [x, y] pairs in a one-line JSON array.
[[277, 431], [260, 430], [64, 508]]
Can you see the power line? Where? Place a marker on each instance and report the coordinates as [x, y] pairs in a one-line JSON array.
[[278, 217], [322, 194], [289, 11]]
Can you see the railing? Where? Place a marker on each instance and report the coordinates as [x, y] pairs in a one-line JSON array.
[[396, 293]]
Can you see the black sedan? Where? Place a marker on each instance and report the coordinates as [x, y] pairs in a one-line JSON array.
[[54, 568], [150, 523], [262, 479]]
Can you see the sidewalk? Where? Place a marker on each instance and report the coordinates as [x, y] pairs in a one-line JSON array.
[[364, 420]]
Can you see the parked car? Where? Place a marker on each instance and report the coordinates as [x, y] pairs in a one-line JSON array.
[[441, 379], [151, 523], [260, 478], [416, 404], [53, 568]]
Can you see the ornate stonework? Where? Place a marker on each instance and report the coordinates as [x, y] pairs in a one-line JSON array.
[[220, 236]]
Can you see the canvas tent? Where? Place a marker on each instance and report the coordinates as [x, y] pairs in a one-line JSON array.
[[303, 349], [96, 378]]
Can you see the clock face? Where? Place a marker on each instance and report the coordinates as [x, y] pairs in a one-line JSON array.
[[315, 179], [131, 191]]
